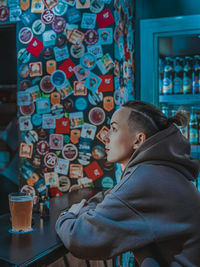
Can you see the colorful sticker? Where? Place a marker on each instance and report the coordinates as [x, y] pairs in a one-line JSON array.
[[56, 141], [50, 160], [76, 119], [15, 14], [35, 69], [79, 88], [93, 171], [51, 179], [48, 121], [82, 3], [64, 183], [88, 130], [25, 150], [80, 72], [50, 66], [76, 37], [38, 27], [49, 38], [35, 47], [67, 67], [88, 61], [70, 152], [92, 82], [47, 16], [65, 90], [37, 6], [105, 63], [75, 136], [98, 152], [46, 85], [58, 24], [58, 78], [61, 8], [108, 103], [23, 98], [62, 126], [73, 15], [23, 55], [31, 137], [28, 17], [34, 91], [88, 21], [105, 36], [55, 98], [96, 6], [42, 147], [96, 50], [96, 116], [25, 35], [105, 18], [43, 105], [81, 103], [106, 84], [27, 110], [77, 50], [102, 133], [49, 4], [84, 145], [75, 171], [61, 53], [95, 97], [36, 119]]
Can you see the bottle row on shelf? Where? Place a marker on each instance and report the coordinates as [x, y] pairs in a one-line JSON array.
[[192, 130], [179, 75]]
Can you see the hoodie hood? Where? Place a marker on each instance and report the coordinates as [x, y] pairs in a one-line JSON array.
[[167, 147]]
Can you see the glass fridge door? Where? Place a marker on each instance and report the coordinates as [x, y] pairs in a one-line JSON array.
[[170, 70]]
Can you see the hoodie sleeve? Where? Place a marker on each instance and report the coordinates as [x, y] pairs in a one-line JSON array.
[[102, 232]]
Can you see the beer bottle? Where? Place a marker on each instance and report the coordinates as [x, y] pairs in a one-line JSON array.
[[187, 76], [178, 76], [193, 127], [196, 75], [161, 71], [168, 76]]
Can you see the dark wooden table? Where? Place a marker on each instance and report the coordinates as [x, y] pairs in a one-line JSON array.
[[43, 245]]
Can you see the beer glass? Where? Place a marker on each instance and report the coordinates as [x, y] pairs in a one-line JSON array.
[[21, 206]]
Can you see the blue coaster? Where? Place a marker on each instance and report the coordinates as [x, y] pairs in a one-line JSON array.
[[21, 232]]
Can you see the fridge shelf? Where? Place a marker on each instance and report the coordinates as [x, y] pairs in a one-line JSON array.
[[195, 148], [180, 99]]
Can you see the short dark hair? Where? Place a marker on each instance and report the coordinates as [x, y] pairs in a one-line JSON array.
[[150, 119]]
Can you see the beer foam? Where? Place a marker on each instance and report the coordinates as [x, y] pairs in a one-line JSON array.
[[21, 198]]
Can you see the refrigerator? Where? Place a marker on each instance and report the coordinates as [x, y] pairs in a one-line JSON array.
[[169, 70]]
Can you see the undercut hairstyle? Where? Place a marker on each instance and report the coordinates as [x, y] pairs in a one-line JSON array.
[[148, 118]]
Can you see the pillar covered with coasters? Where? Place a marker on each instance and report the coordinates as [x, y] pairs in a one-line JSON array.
[[75, 68]]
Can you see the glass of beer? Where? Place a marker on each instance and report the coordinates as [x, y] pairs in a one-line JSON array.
[[21, 206]]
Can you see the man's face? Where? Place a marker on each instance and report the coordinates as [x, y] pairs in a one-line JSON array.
[[119, 140]]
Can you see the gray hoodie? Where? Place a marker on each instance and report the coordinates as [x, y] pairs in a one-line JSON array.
[[153, 211]]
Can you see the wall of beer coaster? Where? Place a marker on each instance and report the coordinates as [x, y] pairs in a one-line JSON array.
[[75, 67]]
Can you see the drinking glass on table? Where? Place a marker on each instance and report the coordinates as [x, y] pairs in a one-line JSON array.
[[21, 206]]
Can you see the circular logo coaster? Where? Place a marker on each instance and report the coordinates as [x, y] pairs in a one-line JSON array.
[[25, 35], [24, 71], [81, 103], [91, 37], [58, 24], [42, 147], [107, 182], [36, 119], [47, 16], [96, 6], [58, 78], [88, 61], [61, 8], [50, 160], [38, 27], [77, 51], [46, 85], [70, 152], [4, 13], [64, 183], [96, 116], [24, 85], [27, 110]]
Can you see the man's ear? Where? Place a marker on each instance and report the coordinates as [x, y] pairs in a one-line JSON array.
[[139, 139]]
